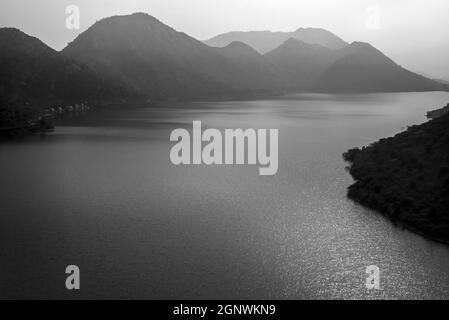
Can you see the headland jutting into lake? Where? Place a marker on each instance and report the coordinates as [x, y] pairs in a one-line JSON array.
[[406, 177]]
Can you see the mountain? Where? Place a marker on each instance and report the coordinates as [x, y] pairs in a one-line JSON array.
[[300, 64], [159, 62], [251, 65], [406, 177], [443, 81], [265, 41], [358, 67], [362, 68], [34, 74]]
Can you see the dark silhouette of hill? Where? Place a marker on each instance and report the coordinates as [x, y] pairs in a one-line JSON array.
[[33, 77], [300, 64], [159, 62], [407, 177], [33, 74], [363, 68], [265, 41]]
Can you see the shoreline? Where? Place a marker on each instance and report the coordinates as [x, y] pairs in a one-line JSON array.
[[406, 178], [423, 234], [403, 224]]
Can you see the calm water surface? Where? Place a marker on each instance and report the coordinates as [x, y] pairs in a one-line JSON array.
[[102, 194]]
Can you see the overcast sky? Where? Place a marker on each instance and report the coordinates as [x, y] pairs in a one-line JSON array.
[[414, 33]]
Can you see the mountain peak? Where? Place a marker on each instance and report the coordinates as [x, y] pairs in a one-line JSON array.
[[241, 47], [159, 62], [319, 36], [238, 44], [141, 14], [366, 69], [10, 30], [132, 16], [36, 75], [15, 33], [302, 29], [15, 39], [123, 22], [125, 33], [294, 45], [362, 48], [361, 45], [292, 42]]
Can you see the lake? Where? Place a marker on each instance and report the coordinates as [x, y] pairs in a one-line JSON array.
[[101, 193]]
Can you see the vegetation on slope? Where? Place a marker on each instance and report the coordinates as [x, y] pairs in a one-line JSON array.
[[406, 177]]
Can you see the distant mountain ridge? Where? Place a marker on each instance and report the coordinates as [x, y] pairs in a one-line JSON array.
[[160, 62], [138, 57], [266, 41]]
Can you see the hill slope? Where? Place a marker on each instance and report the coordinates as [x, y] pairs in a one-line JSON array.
[[34, 76], [300, 64], [253, 67], [362, 68], [407, 177], [33, 72]]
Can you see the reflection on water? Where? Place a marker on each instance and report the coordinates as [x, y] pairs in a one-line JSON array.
[[101, 193]]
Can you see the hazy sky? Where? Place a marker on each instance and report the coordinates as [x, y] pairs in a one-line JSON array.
[[414, 33]]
